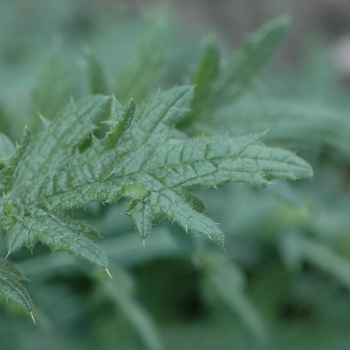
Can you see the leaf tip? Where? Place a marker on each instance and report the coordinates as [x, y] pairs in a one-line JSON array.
[[108, 273], [33, 318]]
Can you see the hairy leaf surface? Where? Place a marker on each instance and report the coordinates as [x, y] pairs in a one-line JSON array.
[[11, 288], [142, 156]]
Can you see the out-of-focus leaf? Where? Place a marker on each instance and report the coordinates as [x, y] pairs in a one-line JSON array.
[[98, 83], [297, 249], [144, 69], [50, 93], [227, 280], [284, 121], [118, 290]]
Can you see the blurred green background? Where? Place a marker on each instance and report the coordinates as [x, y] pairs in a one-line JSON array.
[[283, 280]]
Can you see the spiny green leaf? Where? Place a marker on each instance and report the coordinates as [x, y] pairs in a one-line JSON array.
[[151, 155], [142, 214], [59, 139], [7, 175], [11, 268], [25, 222], [11, 288], [207, 161], [169, 203], [142, 156], [116, 112], [121, 126], [59, 234], [196, 203]]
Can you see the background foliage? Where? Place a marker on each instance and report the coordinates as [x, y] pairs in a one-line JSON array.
[[284, 278]]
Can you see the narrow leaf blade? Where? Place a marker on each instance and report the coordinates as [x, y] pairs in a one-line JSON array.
[[96, 76], [144, 69], [246, 61], [50, 94]]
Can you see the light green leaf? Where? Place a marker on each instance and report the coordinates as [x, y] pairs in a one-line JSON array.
[[25, 172], [11, 288], [7, 174], [121, 125], [142, 156], [150, 155], [60, 138], [142, 214], [58, 233]]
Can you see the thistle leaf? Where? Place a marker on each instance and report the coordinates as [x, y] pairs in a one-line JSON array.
[[142, 156], [11, 288]]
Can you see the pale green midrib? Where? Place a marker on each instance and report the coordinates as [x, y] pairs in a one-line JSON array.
[[118, 181], [24, 297], [144, 140]]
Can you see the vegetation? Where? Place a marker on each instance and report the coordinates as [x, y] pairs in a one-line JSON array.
[[151, 147]]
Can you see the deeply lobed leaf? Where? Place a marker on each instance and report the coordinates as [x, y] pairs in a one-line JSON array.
[[142, 156]]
